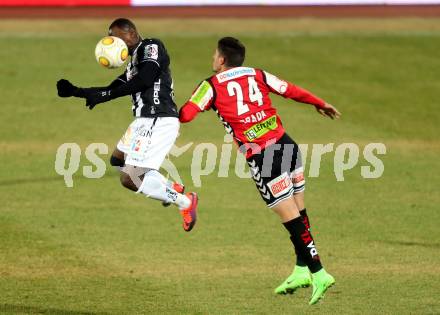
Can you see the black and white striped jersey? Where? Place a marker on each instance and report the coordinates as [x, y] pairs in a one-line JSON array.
[[156, 100]]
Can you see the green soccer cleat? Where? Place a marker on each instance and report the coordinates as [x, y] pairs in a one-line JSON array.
[[321, 282], [300, 278]]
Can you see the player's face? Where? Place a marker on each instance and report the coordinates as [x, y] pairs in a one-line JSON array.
[[131, 38], [217, 61]]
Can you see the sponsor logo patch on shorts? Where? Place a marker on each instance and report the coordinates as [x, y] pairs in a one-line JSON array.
[[280, 185], [136, 145], [298, 178]]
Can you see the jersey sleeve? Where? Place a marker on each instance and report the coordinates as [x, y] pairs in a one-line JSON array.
[[203, 96], [289, 90], [201, 100], [118, 81], [153, 50]]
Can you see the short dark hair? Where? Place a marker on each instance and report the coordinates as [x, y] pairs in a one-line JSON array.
[[123, 24], [232, 50]]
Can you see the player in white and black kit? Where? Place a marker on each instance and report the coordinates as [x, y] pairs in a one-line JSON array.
[[144, 146]]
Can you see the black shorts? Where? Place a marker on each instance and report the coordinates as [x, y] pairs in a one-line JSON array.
[[277, 171]]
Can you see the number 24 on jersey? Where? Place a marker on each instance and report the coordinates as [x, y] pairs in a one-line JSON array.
[[235, 89]]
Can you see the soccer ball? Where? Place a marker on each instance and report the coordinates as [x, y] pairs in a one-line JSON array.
[[111, 52]]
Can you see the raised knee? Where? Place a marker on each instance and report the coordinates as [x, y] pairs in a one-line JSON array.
[[126, 181]]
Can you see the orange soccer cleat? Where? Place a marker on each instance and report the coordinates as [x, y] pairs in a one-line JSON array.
[[189, 214]]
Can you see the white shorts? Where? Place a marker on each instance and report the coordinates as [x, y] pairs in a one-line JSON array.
[[147, 141]]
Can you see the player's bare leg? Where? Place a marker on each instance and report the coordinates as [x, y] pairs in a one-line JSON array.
[[152, 184], [305, 247], [299, 200], [117, 159], [287, 210]]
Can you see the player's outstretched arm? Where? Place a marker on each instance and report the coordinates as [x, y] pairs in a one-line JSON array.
[[66, 89], [329, 111], [294, 92], [188, 112], [301, 95], [147, 74]]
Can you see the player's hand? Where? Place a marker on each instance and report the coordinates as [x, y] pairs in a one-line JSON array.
[[94, 98], [329, 111], [65, 88]]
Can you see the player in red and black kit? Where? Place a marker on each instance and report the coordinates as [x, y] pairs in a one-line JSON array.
[[240, 97]]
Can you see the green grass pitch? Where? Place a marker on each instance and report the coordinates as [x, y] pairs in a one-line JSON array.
[[99, 249]]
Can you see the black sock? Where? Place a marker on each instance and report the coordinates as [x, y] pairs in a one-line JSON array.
[[300, 261], [304, 244], [305, 218]]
